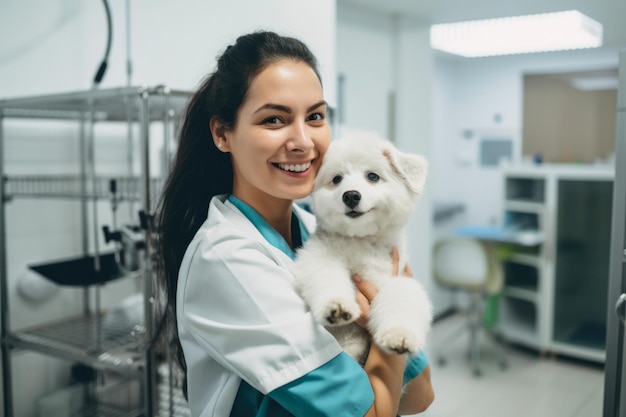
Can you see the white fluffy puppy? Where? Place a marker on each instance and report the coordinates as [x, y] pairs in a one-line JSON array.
[[363, 197]]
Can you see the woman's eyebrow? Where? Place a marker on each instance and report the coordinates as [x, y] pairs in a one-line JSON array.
[[273, 106], [316, 105], [286, 109]]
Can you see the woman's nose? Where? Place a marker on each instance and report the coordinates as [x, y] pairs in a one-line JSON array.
[[299, 138]]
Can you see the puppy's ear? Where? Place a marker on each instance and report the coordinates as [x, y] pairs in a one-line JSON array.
[[411, 168]]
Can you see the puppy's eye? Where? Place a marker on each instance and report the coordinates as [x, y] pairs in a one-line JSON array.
[[337, 179], [373, 177]]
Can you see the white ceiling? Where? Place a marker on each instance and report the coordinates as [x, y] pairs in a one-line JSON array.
[[611, 13]]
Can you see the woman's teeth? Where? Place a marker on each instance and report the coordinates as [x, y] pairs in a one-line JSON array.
[[295, 167]]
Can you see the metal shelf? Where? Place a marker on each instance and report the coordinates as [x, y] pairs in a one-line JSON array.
[[583, 352], [92, 340], [172, 401], [98, 409], [113, 104], [526, 294], [119, 398], [71, 187], [525, 259], [525, 206]]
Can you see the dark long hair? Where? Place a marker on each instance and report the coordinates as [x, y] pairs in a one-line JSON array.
[[201, 171]]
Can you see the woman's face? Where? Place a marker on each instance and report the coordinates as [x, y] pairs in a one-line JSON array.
[[280, 135]]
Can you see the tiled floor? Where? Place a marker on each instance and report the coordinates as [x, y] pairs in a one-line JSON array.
[[531, 386]]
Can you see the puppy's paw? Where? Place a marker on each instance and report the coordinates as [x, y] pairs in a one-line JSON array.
[[341, 312], [398, 340]]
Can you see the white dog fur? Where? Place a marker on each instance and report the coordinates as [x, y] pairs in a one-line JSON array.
[[363, 197]]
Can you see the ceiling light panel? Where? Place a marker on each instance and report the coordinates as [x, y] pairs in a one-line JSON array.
[[516, 35]]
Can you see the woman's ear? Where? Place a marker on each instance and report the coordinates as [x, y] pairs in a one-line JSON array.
[[219, 134]]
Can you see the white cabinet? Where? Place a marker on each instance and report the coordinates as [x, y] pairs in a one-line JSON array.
[[554, 295], [526, 263]]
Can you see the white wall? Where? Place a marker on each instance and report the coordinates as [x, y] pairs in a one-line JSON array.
[[52, 46], [413, 79], [469, 93], [365, 60], [380, 55], [178, 41], [59, 48]]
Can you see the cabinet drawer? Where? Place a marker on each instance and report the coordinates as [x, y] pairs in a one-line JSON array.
[[530, 190]]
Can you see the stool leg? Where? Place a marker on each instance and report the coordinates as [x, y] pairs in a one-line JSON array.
[[441, 360], [474, 335], [504, 363]]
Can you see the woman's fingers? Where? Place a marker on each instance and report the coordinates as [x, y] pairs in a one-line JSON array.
[[395, 257], [365, 294], [367, 291], [366, 288], [364, 304]]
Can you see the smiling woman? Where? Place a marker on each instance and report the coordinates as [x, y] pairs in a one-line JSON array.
[[252, 142], [280, 126]]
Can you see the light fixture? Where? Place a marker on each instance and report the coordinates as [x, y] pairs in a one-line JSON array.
[[519, 34]]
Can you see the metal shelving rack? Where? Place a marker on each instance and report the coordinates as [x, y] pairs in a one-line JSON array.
[[126, 353]]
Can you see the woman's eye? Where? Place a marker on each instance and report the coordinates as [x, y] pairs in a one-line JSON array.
[[373, 177], [316, 116], [337, 179], [274, 120]]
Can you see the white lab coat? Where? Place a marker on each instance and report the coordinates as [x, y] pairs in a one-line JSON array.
[[239, 315]]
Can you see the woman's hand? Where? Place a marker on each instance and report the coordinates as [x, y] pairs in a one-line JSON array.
[[367, 291], [406, 271], [384, 370], [364, 296]]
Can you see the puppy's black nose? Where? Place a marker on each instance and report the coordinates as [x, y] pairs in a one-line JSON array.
[[351, 198]]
